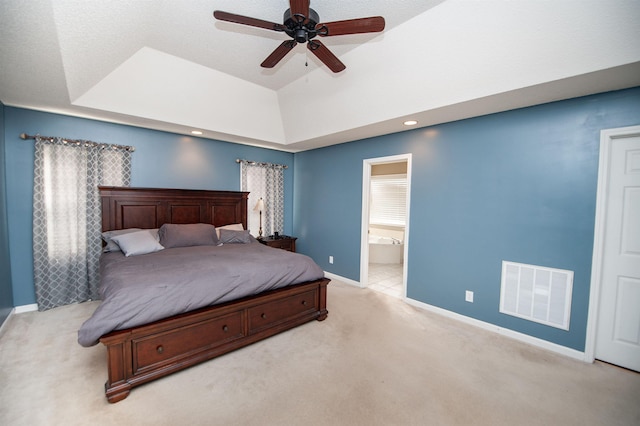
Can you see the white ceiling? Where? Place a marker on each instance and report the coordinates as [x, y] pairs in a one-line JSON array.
[[169, 65]]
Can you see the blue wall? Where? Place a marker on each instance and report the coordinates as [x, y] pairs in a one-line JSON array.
[[517, 186], [6, 292], [161, 160]]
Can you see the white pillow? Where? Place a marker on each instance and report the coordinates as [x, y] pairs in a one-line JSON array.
[[135, 243], [234, 227], [111, 245]]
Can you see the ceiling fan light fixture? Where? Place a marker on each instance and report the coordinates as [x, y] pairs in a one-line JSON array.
[[301, 35]]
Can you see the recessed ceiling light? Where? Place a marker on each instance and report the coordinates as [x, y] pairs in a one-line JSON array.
[[196, 132], [410, 123]]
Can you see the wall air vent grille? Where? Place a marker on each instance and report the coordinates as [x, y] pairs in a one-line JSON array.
[[536, 293]]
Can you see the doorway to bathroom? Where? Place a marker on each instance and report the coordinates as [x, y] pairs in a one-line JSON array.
[[386, 198]]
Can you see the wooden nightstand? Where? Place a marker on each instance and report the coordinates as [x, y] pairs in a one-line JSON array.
[[282, 242]]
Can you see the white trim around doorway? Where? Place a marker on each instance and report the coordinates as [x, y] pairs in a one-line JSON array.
[[364, 234]]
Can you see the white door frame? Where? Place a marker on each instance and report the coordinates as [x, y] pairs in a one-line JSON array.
[[607, 137], [364, 244]]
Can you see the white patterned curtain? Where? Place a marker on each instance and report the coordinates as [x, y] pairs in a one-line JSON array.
[[67, 216], [266, 181]]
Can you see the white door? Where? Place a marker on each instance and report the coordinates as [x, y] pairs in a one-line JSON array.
[[618, 329]]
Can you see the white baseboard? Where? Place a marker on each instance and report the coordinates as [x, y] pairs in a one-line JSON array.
[[342, 279], [525, 338], [26, 308]]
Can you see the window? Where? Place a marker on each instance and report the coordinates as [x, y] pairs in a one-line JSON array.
[[266, 181], [67, 216], [388, 200]]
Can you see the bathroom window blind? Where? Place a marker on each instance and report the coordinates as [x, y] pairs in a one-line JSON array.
[[388, 200]]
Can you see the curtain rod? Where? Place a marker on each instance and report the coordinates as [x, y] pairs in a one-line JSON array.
[[256, 163], [25, 136]]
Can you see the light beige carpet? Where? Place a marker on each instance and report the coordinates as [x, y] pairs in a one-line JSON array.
[[374, 361]]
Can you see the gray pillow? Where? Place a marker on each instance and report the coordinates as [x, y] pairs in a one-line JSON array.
[[233, 227], [228, 236], [192, 234]]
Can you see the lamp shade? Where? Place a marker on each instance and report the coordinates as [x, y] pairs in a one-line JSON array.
[[259, 205]]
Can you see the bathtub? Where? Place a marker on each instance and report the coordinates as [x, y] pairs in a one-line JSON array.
[[385, 249]]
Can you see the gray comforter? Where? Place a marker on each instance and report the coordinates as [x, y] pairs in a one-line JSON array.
[[140, 289]]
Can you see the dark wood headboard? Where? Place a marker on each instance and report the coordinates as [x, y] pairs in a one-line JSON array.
[[148, 208]]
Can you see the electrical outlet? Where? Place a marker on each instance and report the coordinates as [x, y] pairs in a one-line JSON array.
[[468, 296], [331, 260]]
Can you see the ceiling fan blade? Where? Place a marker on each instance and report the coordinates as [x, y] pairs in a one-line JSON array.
[[373, 24], [245, 20], [325, 55], [278, 54], [299, 7]]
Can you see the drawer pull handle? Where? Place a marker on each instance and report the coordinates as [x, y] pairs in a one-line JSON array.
[[304, 302], [263, 316], [160, 349], [225, 328]]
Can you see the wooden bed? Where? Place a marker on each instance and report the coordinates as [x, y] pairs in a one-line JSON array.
[[140, 354]]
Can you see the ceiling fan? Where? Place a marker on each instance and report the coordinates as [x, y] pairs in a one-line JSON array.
[[301, 24]]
